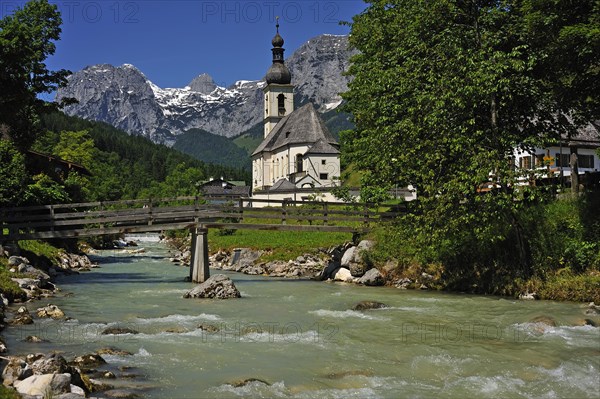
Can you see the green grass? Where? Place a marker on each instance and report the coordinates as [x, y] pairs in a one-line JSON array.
[[571, 287], [281, 245], [10, 289], [40, 252], [8, 393]]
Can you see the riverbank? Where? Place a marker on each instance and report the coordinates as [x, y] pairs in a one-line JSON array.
[[352, 261], [29, 271]]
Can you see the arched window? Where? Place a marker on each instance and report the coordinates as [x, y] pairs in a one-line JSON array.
[[281, 104], [299, 166]]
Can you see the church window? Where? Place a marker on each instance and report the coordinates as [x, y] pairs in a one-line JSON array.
[[299, 167], [323, 176], [281, 104], [323, 162]]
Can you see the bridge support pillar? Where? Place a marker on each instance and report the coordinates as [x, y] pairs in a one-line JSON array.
[[199, 272]]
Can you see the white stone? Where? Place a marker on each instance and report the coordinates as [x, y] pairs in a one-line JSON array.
[[343, 274], [348, 257]]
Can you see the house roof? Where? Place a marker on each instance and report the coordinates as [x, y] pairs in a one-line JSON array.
[[282, 185], [303, 126], [322, 147], [232, 190]]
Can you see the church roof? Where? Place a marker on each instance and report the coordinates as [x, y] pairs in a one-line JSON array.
[[282, 185], [322, 147], [303, 126]]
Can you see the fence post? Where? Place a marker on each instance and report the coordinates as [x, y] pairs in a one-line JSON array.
[[150, 212], [241, 206], [325, 213], [283, 212], [52, 216], [101, 214], [366, 214]]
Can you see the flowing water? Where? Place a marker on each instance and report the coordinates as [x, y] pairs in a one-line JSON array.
[[301, 338]]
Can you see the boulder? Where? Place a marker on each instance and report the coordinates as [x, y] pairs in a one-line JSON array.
[[210, 328], [528, 296], [34, 339], [547, 320], [51, 364], [16, 369], [348, 257], [29, 283], [51, 311], [246, 381], [218, 286], [344, 275], [372, 278], [45, 385], [113, 351], [22, 317], [88, 361], [353, 258], [121, 394], [592, 309], [365, 305], [329, 271], [118, 331], [15, 261]]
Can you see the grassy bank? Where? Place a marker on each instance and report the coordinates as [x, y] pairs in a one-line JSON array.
[[280, 245]]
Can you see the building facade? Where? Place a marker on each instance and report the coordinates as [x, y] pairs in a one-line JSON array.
[[297, 150]]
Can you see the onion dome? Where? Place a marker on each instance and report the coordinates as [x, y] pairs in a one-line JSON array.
[[278, 73]]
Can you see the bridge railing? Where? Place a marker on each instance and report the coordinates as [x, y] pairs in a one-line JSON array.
[[116, 217]]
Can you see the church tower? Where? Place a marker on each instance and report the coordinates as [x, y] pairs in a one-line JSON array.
[[279, 92]]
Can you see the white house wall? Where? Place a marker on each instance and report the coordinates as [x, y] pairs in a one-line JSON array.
[[553, 151]]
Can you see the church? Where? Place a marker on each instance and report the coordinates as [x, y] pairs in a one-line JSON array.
[[298, 153]]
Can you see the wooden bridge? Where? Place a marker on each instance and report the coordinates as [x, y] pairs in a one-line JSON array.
[[196, 214]]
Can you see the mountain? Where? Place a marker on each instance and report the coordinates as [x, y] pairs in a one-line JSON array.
[[123, 97], [213, 149]]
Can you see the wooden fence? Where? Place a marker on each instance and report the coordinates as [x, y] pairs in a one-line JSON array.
[[154, 215]]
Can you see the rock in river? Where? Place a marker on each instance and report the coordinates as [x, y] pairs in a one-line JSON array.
[[365, 305], [218, 286]]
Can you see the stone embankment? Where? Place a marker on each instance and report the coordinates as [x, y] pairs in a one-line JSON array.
[[347, 263]]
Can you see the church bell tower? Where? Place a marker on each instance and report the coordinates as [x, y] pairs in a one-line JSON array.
[[279, 92]]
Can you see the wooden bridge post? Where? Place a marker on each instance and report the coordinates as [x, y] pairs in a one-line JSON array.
[[199, 272]]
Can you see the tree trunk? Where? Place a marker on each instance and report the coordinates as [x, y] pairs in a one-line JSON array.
[[574, 171]]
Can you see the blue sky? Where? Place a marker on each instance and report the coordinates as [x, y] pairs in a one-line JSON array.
[[171, 42]]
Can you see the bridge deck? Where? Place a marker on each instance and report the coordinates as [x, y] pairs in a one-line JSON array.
[[155, 215]]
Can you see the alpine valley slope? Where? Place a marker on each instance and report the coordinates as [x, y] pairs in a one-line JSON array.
[[123, 97]]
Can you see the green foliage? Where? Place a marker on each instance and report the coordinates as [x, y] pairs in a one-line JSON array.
[[44, 191], [8, 393], [125, 166], [213, 149], [40, 249], [26, 40], [9, 288], [12, 174], [560, 235], [443, 91], [251, 138], [76, 147]]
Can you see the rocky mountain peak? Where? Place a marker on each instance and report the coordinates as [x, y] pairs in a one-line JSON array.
[[125, 98], [203, 83]]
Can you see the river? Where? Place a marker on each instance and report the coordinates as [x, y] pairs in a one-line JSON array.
[[301, 337]]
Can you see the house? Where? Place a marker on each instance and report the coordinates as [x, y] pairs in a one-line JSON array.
[[554, 160], [52, 165], [298, 153], [220, 190]]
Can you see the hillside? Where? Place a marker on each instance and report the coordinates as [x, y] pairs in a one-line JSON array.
[[127, 166], [213, 149]]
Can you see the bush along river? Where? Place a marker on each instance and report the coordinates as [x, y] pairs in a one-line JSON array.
[[295, 338]]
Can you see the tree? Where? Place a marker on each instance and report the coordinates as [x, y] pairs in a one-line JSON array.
[[76, 147], [443, 91], [26, 40], [12, 174]]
